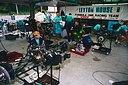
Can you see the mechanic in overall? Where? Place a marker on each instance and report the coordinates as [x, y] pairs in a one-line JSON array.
[[40, 18], [37, 40], [36, 46], [122, 33], [57, 25], [98, 27], [70, 24], [78, 31]]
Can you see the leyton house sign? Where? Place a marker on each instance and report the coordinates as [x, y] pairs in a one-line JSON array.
[[114, 12]]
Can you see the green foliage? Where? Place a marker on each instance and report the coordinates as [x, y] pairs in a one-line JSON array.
[[71, 1], [10, 9], [4, 9], [23, 9]]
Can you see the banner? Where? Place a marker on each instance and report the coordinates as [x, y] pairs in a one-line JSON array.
[[110, 12]]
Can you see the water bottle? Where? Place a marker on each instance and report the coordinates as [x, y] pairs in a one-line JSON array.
[[36, 83]]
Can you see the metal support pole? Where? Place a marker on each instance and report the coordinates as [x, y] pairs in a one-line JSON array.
[[41, 8], [31, 5], [51, 74], [38, 72], [17, 10]]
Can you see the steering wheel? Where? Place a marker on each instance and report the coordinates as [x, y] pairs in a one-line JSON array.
[[100, 38]]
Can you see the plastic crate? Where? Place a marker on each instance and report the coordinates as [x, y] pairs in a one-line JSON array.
[[10, 37]]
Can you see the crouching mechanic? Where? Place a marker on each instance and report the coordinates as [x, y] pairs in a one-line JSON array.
[[122, 33], [98, 28], [84, 44], [87, 42]]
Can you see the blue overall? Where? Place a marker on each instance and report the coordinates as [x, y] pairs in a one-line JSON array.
[[122, 30], [57, 25]]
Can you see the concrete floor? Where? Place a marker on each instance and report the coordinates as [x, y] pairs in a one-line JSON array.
[[78, 69]]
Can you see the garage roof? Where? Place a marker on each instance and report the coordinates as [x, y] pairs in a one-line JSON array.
[[62, 2]]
